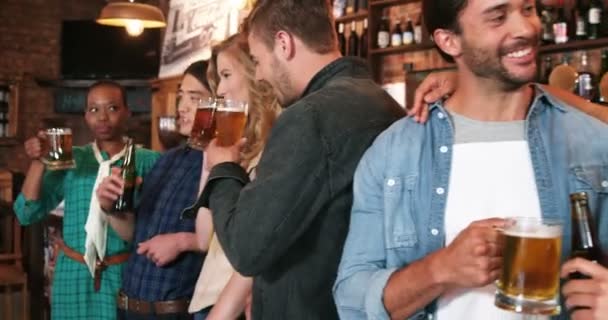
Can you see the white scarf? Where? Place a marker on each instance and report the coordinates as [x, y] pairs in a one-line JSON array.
[[97, 224]]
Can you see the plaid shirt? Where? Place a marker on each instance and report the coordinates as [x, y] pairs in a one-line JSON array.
[[171, 186], [73, 295]]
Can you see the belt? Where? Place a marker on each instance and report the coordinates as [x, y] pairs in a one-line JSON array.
[[100, 266], [156, 307]]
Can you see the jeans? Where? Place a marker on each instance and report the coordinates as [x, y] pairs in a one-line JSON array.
[[202, 314]]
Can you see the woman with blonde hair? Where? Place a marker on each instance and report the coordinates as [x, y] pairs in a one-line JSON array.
[[221, 292]]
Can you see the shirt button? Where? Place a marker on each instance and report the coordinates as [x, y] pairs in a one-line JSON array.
[[605, 184], [440, 115], [440, 191], [443, 149], [390, 182], [434, 232]]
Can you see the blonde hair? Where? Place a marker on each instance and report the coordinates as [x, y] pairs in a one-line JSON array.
[[263, 105]]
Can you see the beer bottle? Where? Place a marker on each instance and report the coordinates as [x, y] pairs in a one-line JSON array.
[[125, 202], [584, 236]]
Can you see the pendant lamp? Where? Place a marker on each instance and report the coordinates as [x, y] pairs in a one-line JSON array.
[[135, 17]]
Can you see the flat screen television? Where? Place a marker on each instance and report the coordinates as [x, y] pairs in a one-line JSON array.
[[93, 51]]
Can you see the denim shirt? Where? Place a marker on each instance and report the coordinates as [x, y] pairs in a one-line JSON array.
[[401, 188]]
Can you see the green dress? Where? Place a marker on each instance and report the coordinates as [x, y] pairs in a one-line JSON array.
[[72, 294]]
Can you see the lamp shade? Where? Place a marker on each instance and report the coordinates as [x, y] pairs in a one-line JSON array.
[[118, 14]]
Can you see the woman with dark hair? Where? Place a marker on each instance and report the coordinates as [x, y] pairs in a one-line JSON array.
[[81, 289], [160, 275]]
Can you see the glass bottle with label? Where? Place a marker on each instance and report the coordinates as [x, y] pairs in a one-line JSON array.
[[384, 36], [341, 39], [579, 13], [585, 242], [594, 18], [351, 6], [547, 19], [125, 202], [603, 83], [408, 32], [418, 31], [585, 82], [397, 35], [560, 26]]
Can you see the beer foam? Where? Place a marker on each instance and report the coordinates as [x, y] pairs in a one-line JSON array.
[[540, 232], [228, 109]]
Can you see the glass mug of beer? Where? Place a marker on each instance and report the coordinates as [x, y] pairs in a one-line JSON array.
[[59, 145], [204, 127], [529, 279], [231, 118]]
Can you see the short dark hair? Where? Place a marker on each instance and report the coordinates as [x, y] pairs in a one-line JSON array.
[[111, 84], [198, 69], [309, 20], [443, 14]]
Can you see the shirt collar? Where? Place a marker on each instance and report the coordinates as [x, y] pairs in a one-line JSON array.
[[542, 99], [345, 65]]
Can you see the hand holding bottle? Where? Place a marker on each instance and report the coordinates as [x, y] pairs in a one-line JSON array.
[[589, 297], [110, 188]]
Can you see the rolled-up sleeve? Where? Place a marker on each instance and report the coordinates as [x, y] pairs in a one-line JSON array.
[[30, 211], [363, 274]]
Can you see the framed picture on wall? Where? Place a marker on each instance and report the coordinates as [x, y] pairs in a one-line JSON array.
[[193, 26]]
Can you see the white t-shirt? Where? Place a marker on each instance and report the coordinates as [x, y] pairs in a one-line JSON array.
[[491, 176]]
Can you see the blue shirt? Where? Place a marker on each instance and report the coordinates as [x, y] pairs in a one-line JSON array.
[[171, 186], [401, 188]]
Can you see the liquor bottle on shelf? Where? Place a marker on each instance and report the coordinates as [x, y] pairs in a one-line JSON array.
[[547, 19], [353, 40], [341, 39], [383, 37], [560, 25], [579, 15], [585, 82], [603, 83], [546, 70], [397, 35], [351, 6], [418, 31], [363, 40], [594, 18], [408, 32]]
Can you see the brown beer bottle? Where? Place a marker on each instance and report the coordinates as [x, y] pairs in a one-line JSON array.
[[584, 236], [125, 202]]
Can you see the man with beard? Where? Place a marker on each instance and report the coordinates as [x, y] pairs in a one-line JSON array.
[[428, 198], [287, 227]]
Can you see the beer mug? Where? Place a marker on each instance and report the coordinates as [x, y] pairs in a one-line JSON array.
[[59, 146], [231, 117], [529, 279], [203, 129]]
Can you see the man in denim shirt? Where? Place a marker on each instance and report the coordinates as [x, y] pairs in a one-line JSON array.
[[427, 198]]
